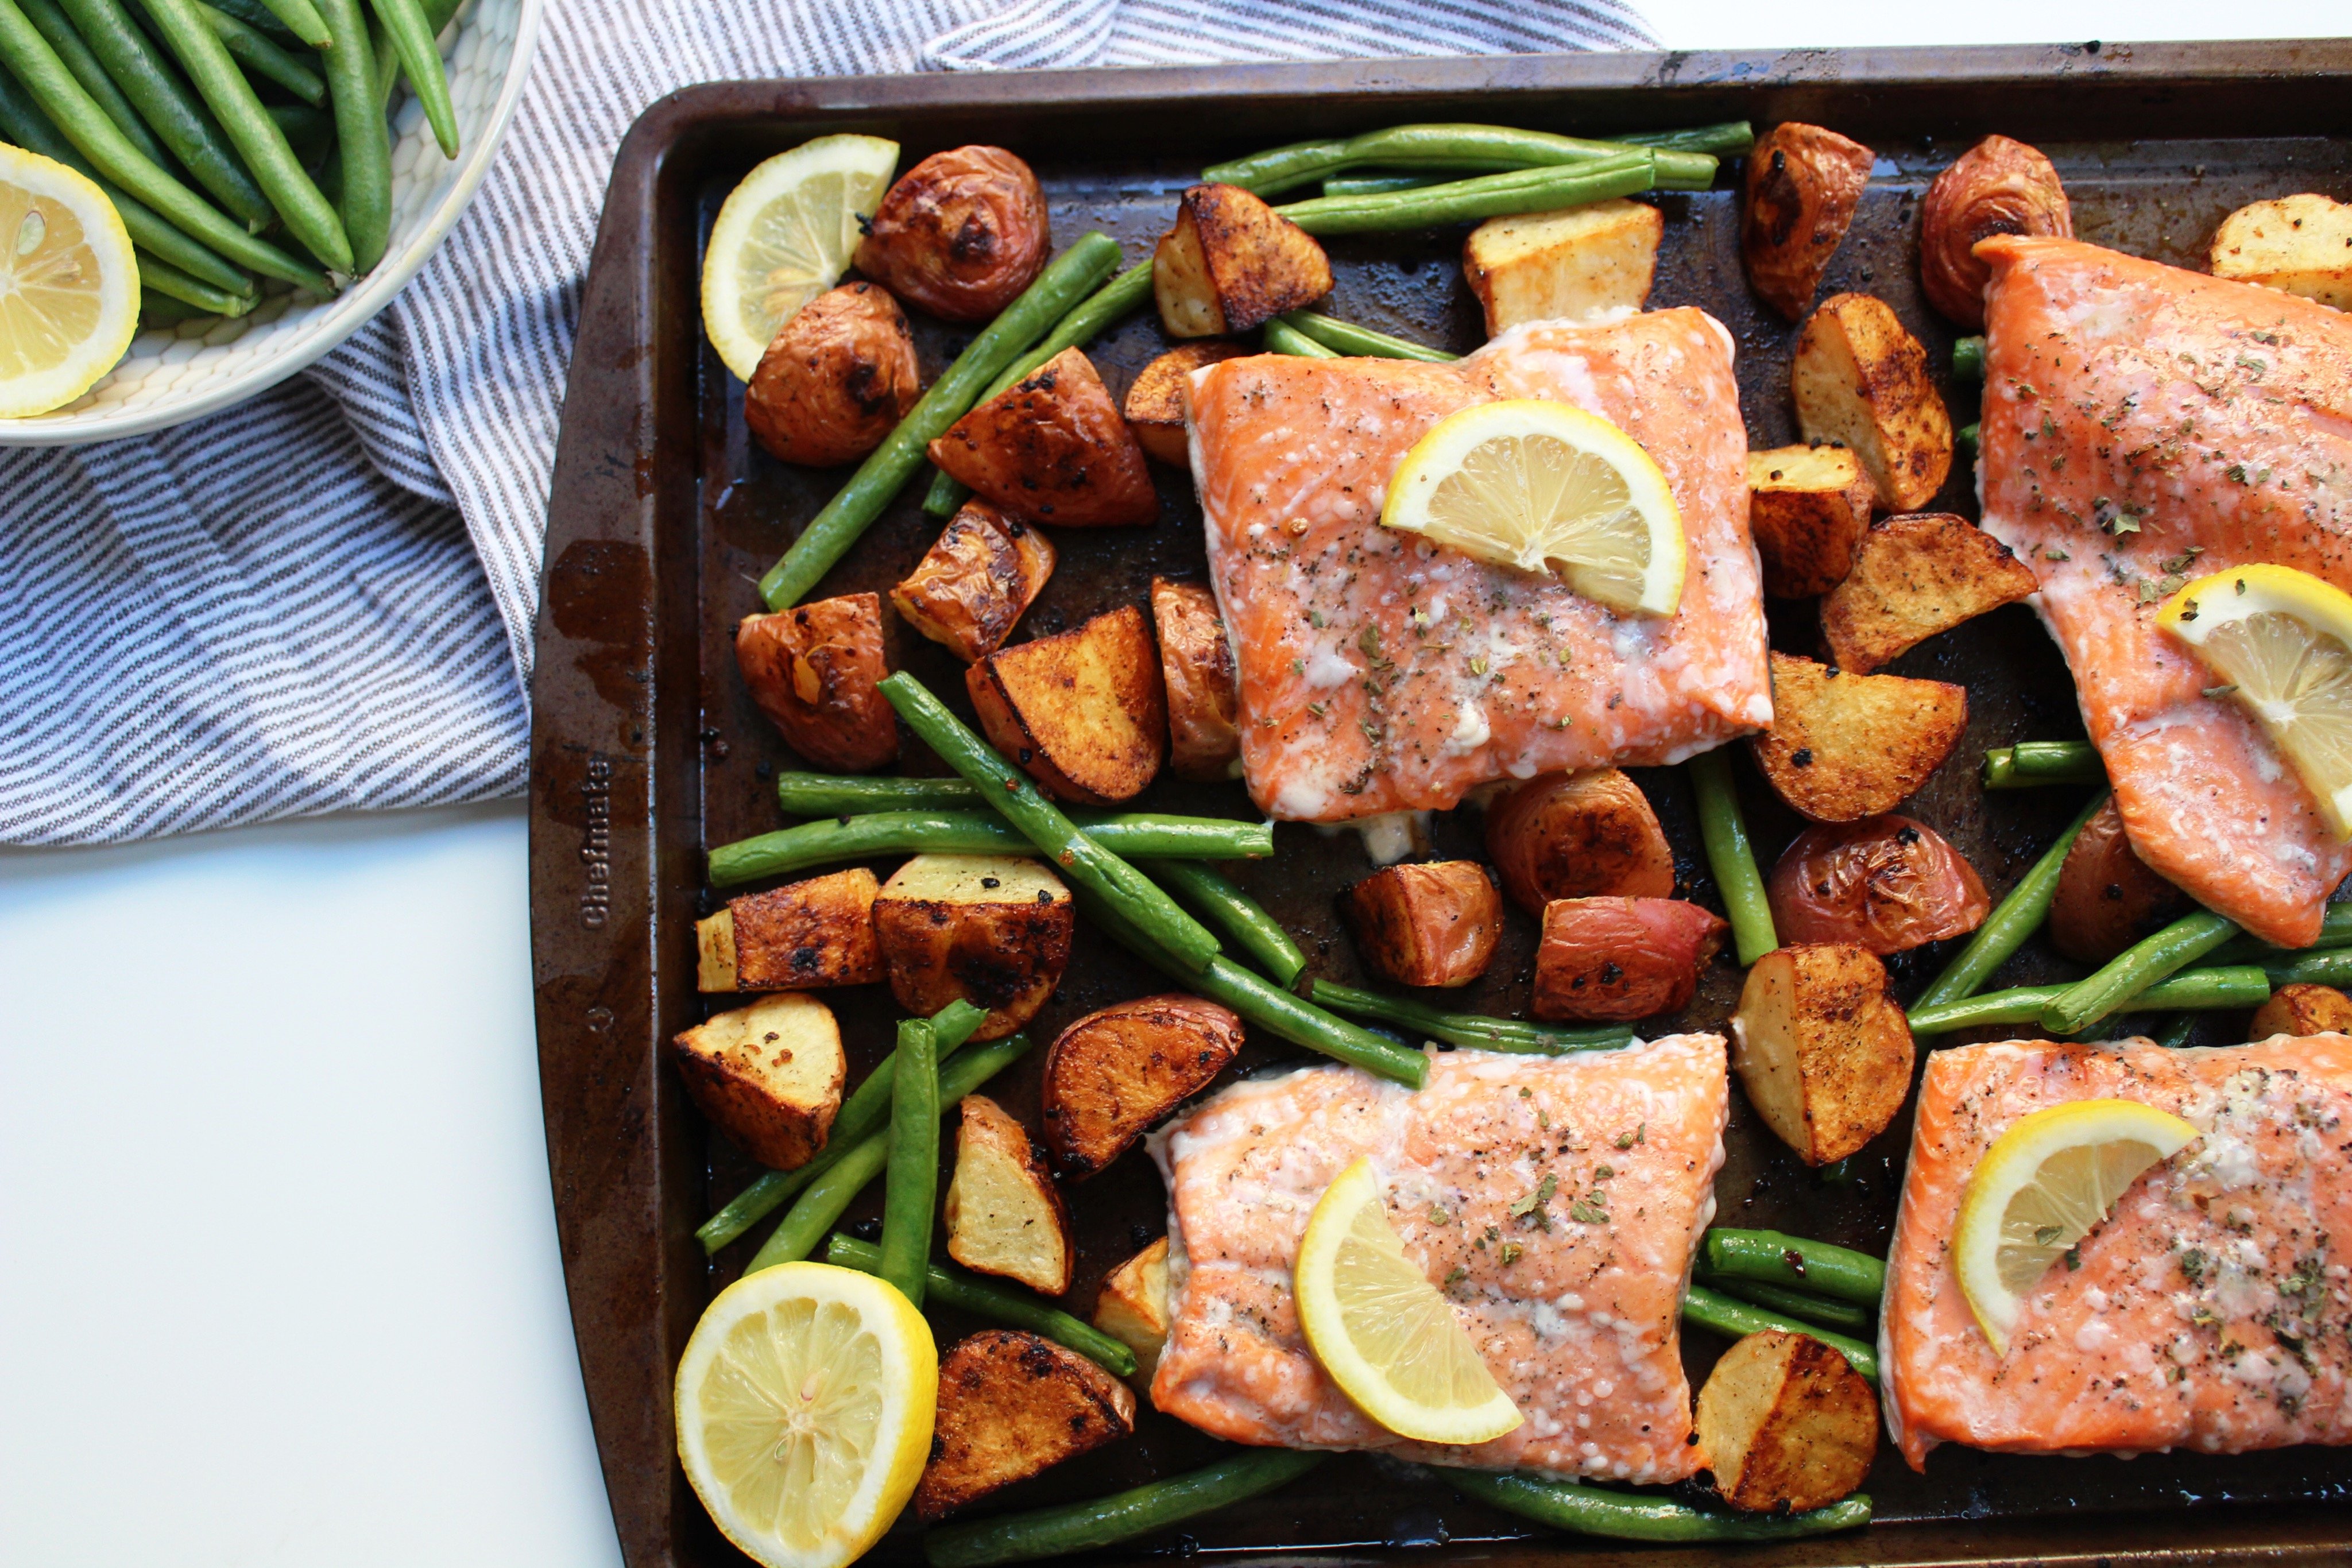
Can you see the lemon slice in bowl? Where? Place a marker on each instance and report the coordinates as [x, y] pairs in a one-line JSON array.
[[68, 285], [2042, 1187], [804, 1406], [2282, 640], [1544, 486], [1386, 1336], [786, 235]]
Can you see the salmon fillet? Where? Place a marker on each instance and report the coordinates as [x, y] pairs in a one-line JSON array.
[[1579, 1326], [1382, 673], [2209, 1312], [2142, 426]]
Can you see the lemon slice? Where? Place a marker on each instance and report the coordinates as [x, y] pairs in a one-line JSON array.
[[1544, 486], [1382, 1330], [2042, 1187], [804, 1407], [786, 235], [68, 285], [2282, 638]]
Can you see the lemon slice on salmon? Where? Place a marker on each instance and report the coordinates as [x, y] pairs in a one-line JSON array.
[[804, 1407], [1543, 486], [786, 235], [68, 285], [2040, 1188], [1386, 1336], [2282, 639]]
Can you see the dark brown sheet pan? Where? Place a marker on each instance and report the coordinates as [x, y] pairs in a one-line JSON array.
[[647, 751]]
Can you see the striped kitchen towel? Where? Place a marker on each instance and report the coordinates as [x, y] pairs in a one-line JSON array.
[[323, 600]]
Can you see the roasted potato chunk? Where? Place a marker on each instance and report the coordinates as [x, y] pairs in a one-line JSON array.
[[1861, 381], [2299, 243], [1196, 666], [1885, 885], [1083, 711], [838, 376], [769, 1075], [1914, 577], [1804, 184], [1844, 747], [1605, 959], [1114, 1073], [1004, 1215], [1434, 923], [1808, 508], [975, 581], [1578, 835], [2107, 898], [1155, 403], [1821, 1049], [1133, 1307], [959, 234], [1569, 266], [1232, 264], [2296, 1010], [814, 670], [1013, 1404], [991, 930], [814, 933], [1997, 187], [1786, 1425], [1052, 448]]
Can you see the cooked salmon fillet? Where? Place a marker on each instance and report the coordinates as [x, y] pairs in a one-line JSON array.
[[1572, 1302], [2142, 426], [1382, 673], [2209, 1312]]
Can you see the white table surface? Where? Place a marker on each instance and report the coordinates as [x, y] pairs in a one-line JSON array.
[[204, 1362]]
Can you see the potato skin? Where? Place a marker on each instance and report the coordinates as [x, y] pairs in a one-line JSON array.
[[1013, 1404], [1115, 1072], [1912, 578], [1997, 187], [1578, 835], [975, 582], [1433, 924], [809, 934], [1808, 508], [1860, 379], [2301, 1009], [1804, 183], [1082, 712], [838, 376], [1203, 686], [1006, 957], [814, 670], [2107, 898], [1053, 449], [1885, 885], [1842, 747], [1155, 402], [959, 234], [1611, 960], [1786, 1425]]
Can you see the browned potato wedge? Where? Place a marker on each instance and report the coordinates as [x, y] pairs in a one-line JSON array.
[[1804, 183], [1433, 924], [1569, 266], [1786, 1425], [1083, 711], [1578, 835], [975, 581], [1842, 747], [1196, 664], [769, 1075], [1052, 448], [959, 234], [1155, 403], [814, 933], [1012, 1405], [1808, 508], [1113, 1073], [991, 930], [1004, 1215], [2107, 898], [2296, 1010], [1603, 959], [1913, 577], [1860, 380], [1133, 1307], [1232, 264], [814, 670], [838, 376], [1821, 1049], [2299, 243], [1997, 187]]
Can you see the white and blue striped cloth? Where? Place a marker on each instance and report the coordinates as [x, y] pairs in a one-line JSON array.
[[323, 600]]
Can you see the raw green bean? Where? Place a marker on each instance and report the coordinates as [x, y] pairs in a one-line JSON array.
[[978, 832], [1482, 196], [1776, 1258], [947, 1286], [362, 136], [420, 58], [910, 1199], [2033, 762], [157, 276], [258, 18], [1968, 359], [1210, 894], [2019, 916], [302, 19], [310, 132], [1724, 831], [158, 312], [1842, 1316], [1477, 1031], [2136, 968], [2335, 931], [1625, 1516], [886, 469], [438, 14], [54, 25], [2192, 990], [264, 57], [2333, 967], [1281, 337], [1713, 1309], [848, 795], [1347, 338], [1123, 1516], [171, 111], [2177, 1031]]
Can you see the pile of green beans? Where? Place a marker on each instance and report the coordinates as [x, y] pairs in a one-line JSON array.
[[2035, 762], [1474, 1031], [1123, 1516], [2018, 916], [1347, 338], [1724, 831], [2194, 991], [1584, 1510], [978, 832], [999, 1303], [1686, 159]]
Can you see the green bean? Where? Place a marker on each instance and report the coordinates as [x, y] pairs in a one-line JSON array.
[[158, 312], [362, 136], [1599, 1510], [2033, 762], [1712, 1310], [159, 276], [886, 469], [2018, 916], [264, 57], [1724, 138], [1775, 1257], [911, 1198], [947, 1286], [978, 832], [848, 795], [1968, 359], [1969, 434], [2136, 968], [1214, 898], [1453, 146], [438, 15], [1123, 1516], [1379, 185], [2329, 968], [420, 58], [310, 132], [1347, 338], [302, 19], [1281, 337], [1842, 1316], [2177, 1031], [2335, 931], [1474, 1030], [1724, 831], [1482, 196], [2193, 990], [171, 111], [258, 18], [54, 25]]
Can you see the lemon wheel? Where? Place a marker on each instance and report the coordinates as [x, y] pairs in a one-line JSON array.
[[786, 235], [68, 285]]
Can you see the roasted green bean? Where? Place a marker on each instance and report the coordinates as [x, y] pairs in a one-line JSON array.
[[2018, 916], [1123, 1516], [982, 1297]]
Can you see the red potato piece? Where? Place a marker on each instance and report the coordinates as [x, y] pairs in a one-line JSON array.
[[1155, 399], [1115, 1072], [961, 233], [815, 670], [1608, 959], [975, 581], [2302, 1010], [1997, 187], [1053, 448], [1082, 712], [2107, 898], [1196, 661], [1433, 924], [839, 375], [1804, 184], [1579, 835], [1884, 884], [1913, 577]]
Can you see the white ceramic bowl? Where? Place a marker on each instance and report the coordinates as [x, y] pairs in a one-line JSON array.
[[200, 367]]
